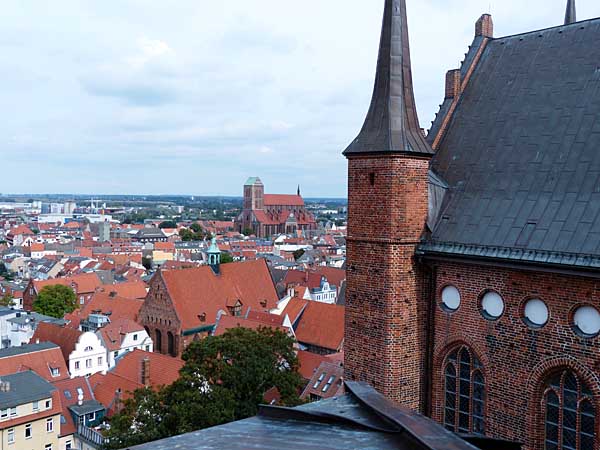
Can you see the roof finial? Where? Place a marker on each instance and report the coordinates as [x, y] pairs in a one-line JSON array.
[[571, 14], [298, 190], [392, 125]]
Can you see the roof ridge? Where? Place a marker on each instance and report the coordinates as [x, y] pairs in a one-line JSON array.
[[524, 33]]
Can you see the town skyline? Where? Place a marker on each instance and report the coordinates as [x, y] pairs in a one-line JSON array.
[[148, 110]]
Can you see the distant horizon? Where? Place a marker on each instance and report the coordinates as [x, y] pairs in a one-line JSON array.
[[100, 196]]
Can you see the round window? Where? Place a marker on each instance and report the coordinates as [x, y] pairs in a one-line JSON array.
[[451, 298], [587, 320], [536, 313], [492, 305]]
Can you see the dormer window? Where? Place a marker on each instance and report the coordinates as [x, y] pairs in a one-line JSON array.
[[202, 317], [54, 371]]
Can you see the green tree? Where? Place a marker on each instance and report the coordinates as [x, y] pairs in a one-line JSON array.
[[55, 301], [226, 258], [167, 224], [247, 363], [147, 262], [7, 300], [298, 254], [224, 379]]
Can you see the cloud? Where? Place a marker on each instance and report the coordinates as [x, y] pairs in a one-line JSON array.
[[149, 97]]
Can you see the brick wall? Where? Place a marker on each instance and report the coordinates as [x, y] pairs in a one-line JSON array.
[[384, 340], [516, 358], [158, 314]]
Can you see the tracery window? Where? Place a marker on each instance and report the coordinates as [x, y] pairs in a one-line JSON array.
[[464, 392], [569, 413]]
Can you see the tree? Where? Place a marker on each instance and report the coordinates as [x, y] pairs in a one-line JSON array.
[[226, 258], [167, 224], [224, 379], [298, 254], [147, 262], [55, 301], [247, 363], [7, 300], [196, 228]]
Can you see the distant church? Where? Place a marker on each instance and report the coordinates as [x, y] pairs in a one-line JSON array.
[[473, 252], [270, 214]]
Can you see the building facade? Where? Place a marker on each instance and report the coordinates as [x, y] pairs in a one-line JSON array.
[[267, 214], [472, 285]]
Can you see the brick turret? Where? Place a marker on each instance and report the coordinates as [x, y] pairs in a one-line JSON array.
[[388, 166]]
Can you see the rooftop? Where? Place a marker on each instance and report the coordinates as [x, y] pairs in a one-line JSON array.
[[25, 387]]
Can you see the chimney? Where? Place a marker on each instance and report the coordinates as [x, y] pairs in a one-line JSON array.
[[485, 26], [452, 83], [145, 378]]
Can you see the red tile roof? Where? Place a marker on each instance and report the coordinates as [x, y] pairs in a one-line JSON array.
[[227, 322], [321, 324], [199, 291], [312, 278], [85, 283], [114, 306], [71, 386], [326, 382], [105, 389], [283, 200], [164, 369], [114, 333], [294, 308], [65, 337], [129, 289], [308, 363], [39, 360]]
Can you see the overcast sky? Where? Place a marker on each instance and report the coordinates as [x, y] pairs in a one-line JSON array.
[[194, 96]]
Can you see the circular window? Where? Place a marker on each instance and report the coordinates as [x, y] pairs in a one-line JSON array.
[[492, 305], [536, 313], [451, 298], [587, 320]]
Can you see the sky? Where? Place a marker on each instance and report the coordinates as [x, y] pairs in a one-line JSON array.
[[194, 96]]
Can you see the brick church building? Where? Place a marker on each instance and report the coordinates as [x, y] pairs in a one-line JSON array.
[[473, 251], [269, 214]]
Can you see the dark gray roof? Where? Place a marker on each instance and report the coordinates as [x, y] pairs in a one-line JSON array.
[[25, 387], [392, 124], [28, 348], [363, 419], [149, 232], [86, 407], [521, 156]]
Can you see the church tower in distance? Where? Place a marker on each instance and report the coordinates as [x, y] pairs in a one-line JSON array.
[[388, 166]]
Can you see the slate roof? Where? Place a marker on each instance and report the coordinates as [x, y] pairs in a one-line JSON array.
[[362, 419], [25, 387], [521, 155], [392, 124]]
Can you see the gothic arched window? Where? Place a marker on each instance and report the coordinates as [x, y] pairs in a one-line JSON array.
[[569, 413], [464, 392]]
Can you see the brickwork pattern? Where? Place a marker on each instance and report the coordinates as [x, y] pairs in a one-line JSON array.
[[516, 358], [384, 341]]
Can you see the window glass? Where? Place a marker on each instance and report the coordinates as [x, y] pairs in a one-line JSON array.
[[536, 313], [492, 305], [587, 320], [451, 298]]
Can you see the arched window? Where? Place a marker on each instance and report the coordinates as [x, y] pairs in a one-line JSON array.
[[158, 342], [569, 414], [464, 392]]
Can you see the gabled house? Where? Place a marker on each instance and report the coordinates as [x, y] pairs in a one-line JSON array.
[[184, 304], [83, 352], [84, 285]]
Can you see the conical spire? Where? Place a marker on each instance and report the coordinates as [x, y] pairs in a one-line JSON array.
[[571, 14], [298, 190], [392, 125]]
